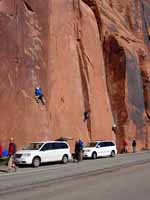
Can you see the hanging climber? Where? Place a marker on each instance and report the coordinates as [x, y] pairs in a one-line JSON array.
[[86, 115], [39, 95]]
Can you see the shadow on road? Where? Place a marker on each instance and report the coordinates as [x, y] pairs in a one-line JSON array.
[[4, 170], [42, 164]]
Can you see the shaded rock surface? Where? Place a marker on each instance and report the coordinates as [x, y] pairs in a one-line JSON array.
[[87, 55]]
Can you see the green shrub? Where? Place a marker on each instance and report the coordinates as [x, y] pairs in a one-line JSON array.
[[4, 161]]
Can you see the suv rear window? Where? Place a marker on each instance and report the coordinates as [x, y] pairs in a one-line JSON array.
[[54, 145], [106, 144], [60, 145], [111, 144]]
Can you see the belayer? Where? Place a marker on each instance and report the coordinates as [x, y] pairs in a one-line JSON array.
[[79, 150], [39, 95]]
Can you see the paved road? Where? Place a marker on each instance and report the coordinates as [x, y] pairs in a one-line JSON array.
[[124, 177]]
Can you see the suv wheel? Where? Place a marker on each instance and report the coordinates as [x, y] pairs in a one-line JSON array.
[[113, 154], [36, 162], [65, 159], [94, 155]]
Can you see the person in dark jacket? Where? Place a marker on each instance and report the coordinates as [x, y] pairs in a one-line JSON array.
[[134, 145], [81, 145], [39, 95], [12, 153], [79, 150], [76, 151]]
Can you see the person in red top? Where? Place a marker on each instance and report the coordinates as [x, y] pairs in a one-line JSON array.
[[1, 150], [11, 154]]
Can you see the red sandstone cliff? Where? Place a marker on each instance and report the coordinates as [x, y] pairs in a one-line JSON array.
[[86, 55]]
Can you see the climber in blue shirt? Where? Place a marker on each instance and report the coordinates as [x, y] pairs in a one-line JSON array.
[[39, 95]]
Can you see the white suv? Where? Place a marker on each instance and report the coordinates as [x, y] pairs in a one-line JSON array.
[[36, 153], [99, 149]]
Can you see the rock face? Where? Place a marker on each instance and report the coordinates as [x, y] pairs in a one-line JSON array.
[[87, 55]]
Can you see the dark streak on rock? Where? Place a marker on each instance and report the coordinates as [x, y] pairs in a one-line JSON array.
[[144, 24], [146, 86], [28, 6], [84, 80], [92, 4], [115, 68]]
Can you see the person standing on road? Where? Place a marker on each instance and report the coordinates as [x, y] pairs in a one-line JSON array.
[[79, 150], [76, 151], [134, 145], [12, 153]]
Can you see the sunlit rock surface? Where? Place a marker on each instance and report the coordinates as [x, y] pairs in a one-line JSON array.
[[87, 55]]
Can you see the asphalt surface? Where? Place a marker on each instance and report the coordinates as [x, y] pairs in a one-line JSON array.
[[124, 177]]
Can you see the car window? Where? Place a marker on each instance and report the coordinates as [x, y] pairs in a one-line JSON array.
[[63, 146], [111, 144], [47, 146], [102, 144], [32, 146], [106, 144], [91, 144], [60, 145]]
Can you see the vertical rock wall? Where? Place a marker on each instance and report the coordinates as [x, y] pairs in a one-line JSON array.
[[77, 76], [87, 55], [126, 55], [24, 58]]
